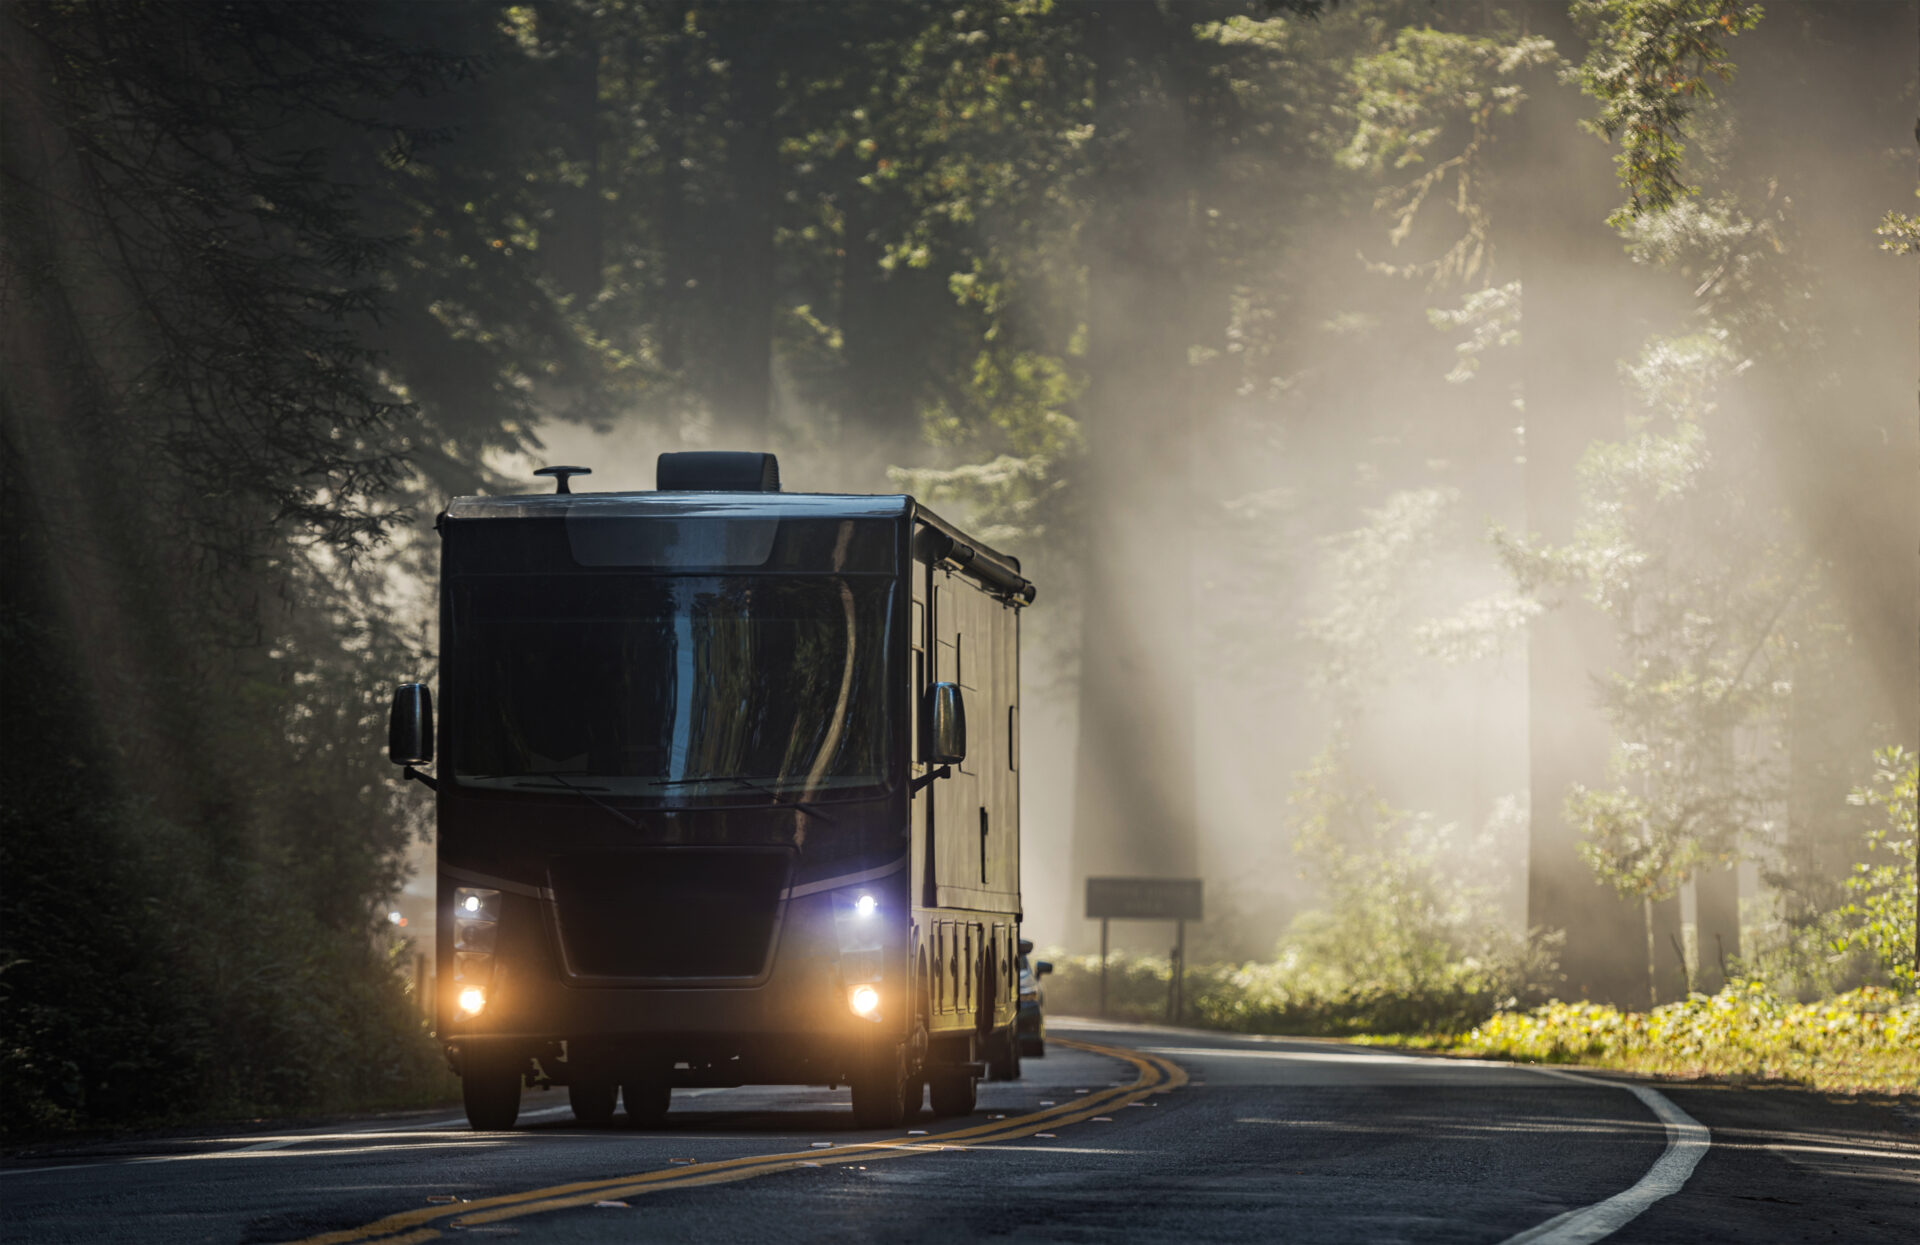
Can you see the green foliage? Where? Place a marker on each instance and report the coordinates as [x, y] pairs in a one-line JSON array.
[[1859, 932], [1430, 102], [1297, 992], [218, 950], [1491, 319], [1899, 232], [240, 273], [1407, 910], [1380, 609], [156, 966], [1699, 586], [202, 454], [1407, 937], [1648, 64], [1797, 949], [1018, 402], [266, 299], [1369, 601], [1867, 1040], [1880, 917]]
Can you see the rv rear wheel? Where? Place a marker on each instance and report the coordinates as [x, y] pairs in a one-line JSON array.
[[491, 1095], [1003, 1056], [953, 1093], [593, 1102], [648, 1099]]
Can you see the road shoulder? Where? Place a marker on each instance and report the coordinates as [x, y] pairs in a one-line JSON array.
[[1793, 1165]]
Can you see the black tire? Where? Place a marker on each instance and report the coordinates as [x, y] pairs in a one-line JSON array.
[[953, 1093], [593, 1102], [492, 1097], [648, 1099], [1003, 1056], [881, 1097]]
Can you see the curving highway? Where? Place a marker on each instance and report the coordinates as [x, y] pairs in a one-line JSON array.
[[1121, 1133]]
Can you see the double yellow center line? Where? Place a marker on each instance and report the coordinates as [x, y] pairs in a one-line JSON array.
[[1152, 1075]]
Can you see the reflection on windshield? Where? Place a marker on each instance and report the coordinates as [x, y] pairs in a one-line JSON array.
[[670, 686]]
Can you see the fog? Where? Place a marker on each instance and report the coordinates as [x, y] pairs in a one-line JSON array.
[[1467, 454], [1309, 555]]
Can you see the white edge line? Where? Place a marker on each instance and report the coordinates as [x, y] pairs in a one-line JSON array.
[[1687, 1143], [278, 1143]]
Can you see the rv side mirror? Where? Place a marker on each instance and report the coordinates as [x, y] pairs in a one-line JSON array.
[[410, 725], [1042, 967], [947, 722]]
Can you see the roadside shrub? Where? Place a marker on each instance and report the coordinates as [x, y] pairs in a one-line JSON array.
[[1865, 1040], [1815, 938], [1409, 937], [1302, 994], [1880, 918]]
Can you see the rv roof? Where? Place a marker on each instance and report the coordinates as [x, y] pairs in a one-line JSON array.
[[682, 505], [1000, 572]]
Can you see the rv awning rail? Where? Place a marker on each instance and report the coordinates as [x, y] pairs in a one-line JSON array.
[[998, 571]]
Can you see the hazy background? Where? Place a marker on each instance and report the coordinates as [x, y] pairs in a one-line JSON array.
[[1424, 556]]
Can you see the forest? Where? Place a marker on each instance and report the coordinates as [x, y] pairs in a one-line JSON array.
[[1511, 402]]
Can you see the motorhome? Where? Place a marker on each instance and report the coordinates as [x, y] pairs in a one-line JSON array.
[[728, 793]]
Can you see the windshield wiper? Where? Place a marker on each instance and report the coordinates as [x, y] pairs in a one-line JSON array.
[[803, 805], [751, 784], [560, 780]]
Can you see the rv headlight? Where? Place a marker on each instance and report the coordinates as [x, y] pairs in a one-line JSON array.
[[472, 1000], [477, 903], [864, 1000], [866, 905]]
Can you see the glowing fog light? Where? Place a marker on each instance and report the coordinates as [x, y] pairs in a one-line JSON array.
[[866, 905], [479, 902], [864, 1000], [473, 998]]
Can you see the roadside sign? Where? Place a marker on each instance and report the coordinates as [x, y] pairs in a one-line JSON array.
[[1143, 899]]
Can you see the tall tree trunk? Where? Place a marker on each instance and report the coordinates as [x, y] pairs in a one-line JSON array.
[[1825, 97], [1572, 273], [1134, 811], [1667, 961], [1716, 925]]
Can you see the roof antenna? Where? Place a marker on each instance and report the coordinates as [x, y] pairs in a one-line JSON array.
[[563, 474]]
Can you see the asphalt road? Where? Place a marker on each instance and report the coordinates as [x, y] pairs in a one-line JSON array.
[[1141, 1134]]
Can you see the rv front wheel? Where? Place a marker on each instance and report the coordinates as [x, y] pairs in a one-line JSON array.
[[880, 1096], [491, 1096]]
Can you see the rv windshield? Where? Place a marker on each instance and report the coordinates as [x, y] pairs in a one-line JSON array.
[[670, 686]]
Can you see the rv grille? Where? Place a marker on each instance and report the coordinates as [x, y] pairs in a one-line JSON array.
[[674, 913]]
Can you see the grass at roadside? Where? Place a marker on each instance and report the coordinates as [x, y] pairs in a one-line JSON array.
[[1864, 1041]]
